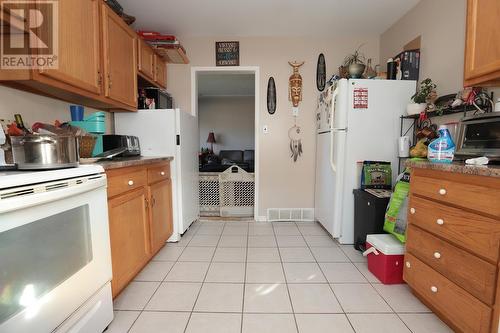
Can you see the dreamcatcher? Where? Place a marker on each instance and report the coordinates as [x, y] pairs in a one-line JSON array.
[[295, 142]]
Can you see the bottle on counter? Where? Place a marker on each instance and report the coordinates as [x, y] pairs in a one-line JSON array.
[[442, 149]]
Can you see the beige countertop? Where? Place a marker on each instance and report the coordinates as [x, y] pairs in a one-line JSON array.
[[457, 167], [123, 162]]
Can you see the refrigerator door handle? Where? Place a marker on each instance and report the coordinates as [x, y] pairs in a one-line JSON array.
[[332, 133], [334, 102]]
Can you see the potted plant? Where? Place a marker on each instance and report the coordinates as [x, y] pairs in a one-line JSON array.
[[355, 64], [420, 98]]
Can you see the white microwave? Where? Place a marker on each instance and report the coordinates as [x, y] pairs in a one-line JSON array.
[[479, 135]]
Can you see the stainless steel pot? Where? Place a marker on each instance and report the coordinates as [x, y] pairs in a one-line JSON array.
[[45, 151]]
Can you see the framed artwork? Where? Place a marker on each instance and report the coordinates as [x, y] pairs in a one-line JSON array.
[[227, 53]]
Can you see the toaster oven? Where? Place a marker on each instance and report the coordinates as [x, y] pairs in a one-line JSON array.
[[479, 135]]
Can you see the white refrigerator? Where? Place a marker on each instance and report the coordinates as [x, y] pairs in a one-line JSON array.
[[357, 120], [170, 132]]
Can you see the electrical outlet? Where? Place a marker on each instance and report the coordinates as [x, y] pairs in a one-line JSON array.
[[265, 129]]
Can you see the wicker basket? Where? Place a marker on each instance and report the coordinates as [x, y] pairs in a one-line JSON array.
[[86, 143]]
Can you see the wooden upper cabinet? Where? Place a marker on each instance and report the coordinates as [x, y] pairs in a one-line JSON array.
[[79, 46], [160, 72], [120, 59], [482, 50], [145, 60], [161, 213]]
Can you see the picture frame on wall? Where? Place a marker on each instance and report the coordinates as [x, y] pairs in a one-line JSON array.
[[227, 53]]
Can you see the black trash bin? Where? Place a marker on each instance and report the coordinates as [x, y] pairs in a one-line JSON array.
[[369, 214]]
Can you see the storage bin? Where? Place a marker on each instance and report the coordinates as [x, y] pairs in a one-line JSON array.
[[385, 254]]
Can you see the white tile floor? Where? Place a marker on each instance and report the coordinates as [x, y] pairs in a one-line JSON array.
[[232, 277]]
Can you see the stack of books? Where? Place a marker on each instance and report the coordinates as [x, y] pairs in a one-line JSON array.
[[166, 45]]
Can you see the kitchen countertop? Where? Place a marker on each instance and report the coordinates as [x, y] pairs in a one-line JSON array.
[[123, 162], [457, 167]]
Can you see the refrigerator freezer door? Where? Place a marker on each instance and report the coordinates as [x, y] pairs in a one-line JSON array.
[[154, 128], [187, 169]]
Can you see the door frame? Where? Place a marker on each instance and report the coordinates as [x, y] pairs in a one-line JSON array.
[[255, 70]]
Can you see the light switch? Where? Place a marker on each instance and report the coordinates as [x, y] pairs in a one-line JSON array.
[[265, 129]]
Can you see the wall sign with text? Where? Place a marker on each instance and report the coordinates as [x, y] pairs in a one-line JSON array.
[[227, 53]]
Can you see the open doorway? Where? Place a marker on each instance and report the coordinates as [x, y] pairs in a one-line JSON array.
[[226, 102]]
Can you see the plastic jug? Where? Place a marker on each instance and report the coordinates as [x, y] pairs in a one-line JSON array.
[[442, 149]]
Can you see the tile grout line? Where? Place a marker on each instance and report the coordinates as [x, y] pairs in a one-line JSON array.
[[378, 293], [158, 287], [244, 280], [204, 278], [328, 282], [286, 280]]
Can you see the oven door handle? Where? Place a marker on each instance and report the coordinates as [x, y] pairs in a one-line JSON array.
[[12, 203]]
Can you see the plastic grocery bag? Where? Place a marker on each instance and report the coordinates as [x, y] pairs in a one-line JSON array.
[[396, 215]]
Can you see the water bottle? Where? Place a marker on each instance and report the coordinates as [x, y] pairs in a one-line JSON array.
[[442, 149]]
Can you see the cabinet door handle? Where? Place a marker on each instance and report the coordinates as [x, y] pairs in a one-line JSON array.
[[442, 191], [437, 255], [434, 289], [440, 221], [130, 182], [162, 173], [412, 210]]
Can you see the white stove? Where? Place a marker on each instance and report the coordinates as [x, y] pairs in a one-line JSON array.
[[55, 251]]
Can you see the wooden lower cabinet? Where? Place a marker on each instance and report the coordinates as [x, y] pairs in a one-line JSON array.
[[129, 232], [160, 195], [452, 248], [140, 218]]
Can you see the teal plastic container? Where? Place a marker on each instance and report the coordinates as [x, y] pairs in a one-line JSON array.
[[442, 149], [95, 124]]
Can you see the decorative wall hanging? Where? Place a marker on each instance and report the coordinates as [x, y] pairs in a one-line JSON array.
[[321, 72], [227, 53], [295, 84], [271, 96], [295, 142]]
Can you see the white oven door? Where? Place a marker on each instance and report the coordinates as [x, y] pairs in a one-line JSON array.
[[54, 253]]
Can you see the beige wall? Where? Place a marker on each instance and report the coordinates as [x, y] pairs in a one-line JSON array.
[[231, 119], [283, 183], [441, 24], [35, 108]]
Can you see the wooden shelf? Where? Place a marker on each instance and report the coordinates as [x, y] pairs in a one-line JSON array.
[[172, 55]]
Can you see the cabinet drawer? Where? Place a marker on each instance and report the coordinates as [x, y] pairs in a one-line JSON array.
[[478, 234], [456, 306], [157, 173], [120, 181], [466, 270], [471, 192]]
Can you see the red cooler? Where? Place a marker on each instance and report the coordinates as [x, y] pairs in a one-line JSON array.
[[385, 255]]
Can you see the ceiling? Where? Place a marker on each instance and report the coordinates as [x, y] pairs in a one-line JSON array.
[[217, 84], [267, 17]]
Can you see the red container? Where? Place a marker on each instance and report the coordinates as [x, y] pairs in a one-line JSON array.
[[385, 255]]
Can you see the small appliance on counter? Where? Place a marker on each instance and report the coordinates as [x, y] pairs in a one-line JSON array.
[[478, 136], [129, 144]]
